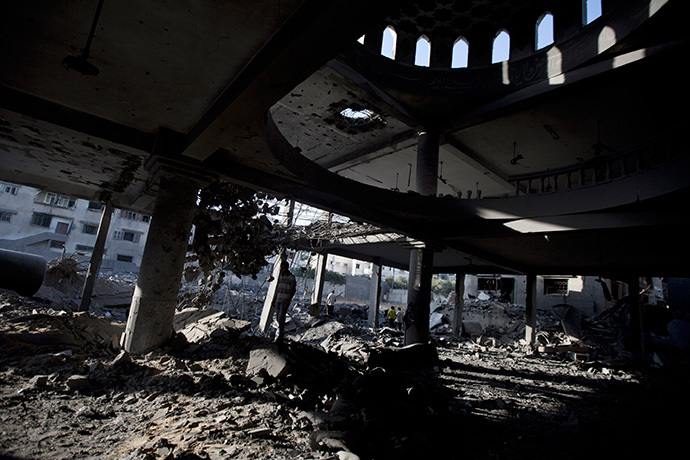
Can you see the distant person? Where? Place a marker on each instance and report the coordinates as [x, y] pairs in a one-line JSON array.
[[330, 301], [391, 317], [399, 319], [285, 290]]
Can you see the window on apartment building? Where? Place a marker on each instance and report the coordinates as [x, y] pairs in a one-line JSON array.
[[5, 217], [124, 258], [62, 227], [145, 218], [50, 198], [62, 201], [94, 206], [128, 215], [9, 189], [41, 219], [89, 229], [557, 286], [66, 201], [84, 247], [126, 236]]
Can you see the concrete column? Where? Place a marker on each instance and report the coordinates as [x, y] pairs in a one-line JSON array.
[[96, 258], [459, 302], [319, 278], [419, 296], [375, 293], [531, 308], [268, 309], [427, 163], [150, 321], [422, 259]]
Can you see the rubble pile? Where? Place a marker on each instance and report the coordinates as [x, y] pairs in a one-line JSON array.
[[334, 390]]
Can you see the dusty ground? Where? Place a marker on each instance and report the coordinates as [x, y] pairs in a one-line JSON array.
[[67, 393]]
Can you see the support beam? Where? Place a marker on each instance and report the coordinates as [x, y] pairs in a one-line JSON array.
[[459, 303], [427, 163], [150, 321], [96, 257], [419, 296], [422, 259], [375, 293], [531, 309], [268, 309]]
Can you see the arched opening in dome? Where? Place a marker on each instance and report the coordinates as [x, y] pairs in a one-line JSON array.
[[591, 10], [501, 48], [422, 55], [461, 51], [388, 44], [544, 31]]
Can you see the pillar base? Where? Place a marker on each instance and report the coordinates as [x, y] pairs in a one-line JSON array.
[[149, 324]]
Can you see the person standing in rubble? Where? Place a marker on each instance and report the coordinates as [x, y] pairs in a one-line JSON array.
[[330, 301], [285, 290], [399, 319], [391, 317]]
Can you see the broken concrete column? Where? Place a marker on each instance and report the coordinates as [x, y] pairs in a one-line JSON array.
[[459, 302], [319, 278], [531, 308], [375, 293], [150, 321], [96, 257], [269, 309], [419, 296]]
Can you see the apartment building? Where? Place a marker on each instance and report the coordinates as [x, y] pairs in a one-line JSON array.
[[51, 224]]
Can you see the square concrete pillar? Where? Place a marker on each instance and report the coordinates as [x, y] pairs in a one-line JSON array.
[[150, 321]]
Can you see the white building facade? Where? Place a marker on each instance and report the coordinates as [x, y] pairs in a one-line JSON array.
[[49, 224]]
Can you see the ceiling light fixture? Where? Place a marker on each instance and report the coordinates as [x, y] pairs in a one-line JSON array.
[[516, 158], [80, 63]]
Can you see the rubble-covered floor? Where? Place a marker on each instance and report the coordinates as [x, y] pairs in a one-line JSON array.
[[334, 391]]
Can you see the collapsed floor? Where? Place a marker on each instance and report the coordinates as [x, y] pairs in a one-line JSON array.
[[336, 390]]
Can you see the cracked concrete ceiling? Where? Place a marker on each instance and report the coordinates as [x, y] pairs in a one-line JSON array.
[[205, 82]]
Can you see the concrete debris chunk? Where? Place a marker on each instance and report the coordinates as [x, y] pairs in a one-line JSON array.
[[122, 358], [39, 381], [268, 359], [77, 382], [199, 326], [472, 328]]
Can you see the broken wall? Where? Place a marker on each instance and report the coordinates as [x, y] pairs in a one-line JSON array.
[[583, 292]]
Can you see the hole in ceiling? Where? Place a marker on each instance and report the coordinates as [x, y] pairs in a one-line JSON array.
[[353, 119]]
